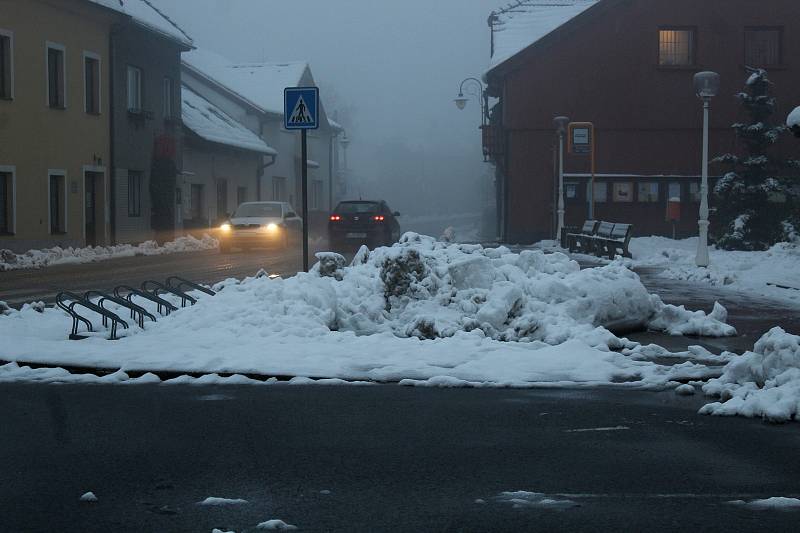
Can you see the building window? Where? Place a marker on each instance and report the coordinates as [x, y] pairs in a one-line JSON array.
[[674, 192], [134, 89], [623, 192], [316, 194], [134, 193], [571, 191], [91, 79], [676, 47], [241, 195], [279, 189], [762, 47], [57, 193], [196, 202], [56, 77], [648, 192], [6, 203], [6, 65], [600, 191], [169, 97], [694, 191]]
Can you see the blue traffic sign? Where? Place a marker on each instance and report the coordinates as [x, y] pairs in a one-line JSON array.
[[301, 108]]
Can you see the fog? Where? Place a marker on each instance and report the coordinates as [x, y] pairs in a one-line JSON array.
[[388, 71]]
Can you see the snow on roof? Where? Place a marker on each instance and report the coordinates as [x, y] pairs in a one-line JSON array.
[[212, 124], [146, 13], [517, 28], [261, 84], [794, 118]]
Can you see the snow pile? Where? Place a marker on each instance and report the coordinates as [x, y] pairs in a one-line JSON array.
[[66, 256], [422, 310], [276, 525], [88, 497], [218, 502], [524, 499], [764, 382], [763, 273], [794, 118], [778, 503]]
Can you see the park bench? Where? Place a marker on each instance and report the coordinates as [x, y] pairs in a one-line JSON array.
[[581, 242], [616, 242]]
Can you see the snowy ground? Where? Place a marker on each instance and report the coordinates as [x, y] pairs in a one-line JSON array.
[[62, 256], [423, 313]]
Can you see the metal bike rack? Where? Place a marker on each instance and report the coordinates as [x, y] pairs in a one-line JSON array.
[[136, 310], [162, 303], [178, 283], [158, 286], [74, 300]]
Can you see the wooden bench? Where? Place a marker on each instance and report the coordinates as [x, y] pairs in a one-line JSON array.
[[580, 242], [615, 242]]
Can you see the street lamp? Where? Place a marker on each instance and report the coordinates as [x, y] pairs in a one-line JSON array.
[[561, 124], [461, 100], [706, 86]]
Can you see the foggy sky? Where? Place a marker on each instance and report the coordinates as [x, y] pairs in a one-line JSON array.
[[392, 66]]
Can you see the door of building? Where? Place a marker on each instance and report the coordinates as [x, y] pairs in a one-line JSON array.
[[90, 208]]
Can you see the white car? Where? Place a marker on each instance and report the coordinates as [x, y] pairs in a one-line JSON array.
[[261, 225]]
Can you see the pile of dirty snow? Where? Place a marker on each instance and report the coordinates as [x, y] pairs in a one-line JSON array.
[[764, 382], [418, 310], [64, 256]]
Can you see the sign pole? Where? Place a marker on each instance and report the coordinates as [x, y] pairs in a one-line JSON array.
[[304, 177]]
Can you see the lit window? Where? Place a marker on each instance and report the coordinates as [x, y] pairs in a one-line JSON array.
[[6, 65], [675, 47], [648, 192], [56, 77], [762, 47], [623, 192], [134, 89], [91, 77]]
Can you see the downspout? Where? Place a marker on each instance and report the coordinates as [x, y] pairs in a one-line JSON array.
[[331, 146], [263, 166], [112, 173]]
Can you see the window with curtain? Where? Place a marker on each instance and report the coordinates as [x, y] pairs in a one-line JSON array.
[[762, 47], [676, 47]]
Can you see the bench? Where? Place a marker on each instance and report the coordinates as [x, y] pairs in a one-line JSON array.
[[580, 242], [616, 242]]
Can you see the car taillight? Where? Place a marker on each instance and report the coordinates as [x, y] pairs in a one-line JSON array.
[[335, 218], [379, 218]]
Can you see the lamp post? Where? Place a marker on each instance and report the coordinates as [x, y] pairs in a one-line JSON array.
[[561, 124], [706, 85]]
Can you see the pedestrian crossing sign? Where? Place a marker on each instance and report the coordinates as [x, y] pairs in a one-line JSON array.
[[301, 108]]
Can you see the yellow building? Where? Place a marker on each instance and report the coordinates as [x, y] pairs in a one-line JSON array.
[[54, 123]]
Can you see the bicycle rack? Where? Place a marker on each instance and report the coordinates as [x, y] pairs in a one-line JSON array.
[[161, 287], [185, 282], [135, 309], [64, 297], [162, 304]]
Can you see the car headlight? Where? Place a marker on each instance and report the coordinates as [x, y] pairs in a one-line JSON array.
[[225, 227], [271, 228]]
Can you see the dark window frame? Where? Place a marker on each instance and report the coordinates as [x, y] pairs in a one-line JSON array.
[[6, 203], [692, 30], [92, 87], [56, 77], [58, 210], [168, 96], [135, 178], [753, 29], [128, 102], [6, 65]]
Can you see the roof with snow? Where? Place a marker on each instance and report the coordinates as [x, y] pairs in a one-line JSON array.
[[525, 22], [261, 84], [147, 14], [212, 124]]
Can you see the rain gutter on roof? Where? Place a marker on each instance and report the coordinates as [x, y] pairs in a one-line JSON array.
[[511, 62]]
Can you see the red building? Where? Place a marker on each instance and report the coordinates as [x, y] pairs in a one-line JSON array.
[[626, 66]]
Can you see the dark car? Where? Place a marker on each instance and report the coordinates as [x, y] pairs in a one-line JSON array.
[[363, 222]]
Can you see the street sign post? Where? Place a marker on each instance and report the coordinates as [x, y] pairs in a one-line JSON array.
[[581, 142], [301, 112]]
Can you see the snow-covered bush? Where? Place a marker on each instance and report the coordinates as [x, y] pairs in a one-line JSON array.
[[764, 382]]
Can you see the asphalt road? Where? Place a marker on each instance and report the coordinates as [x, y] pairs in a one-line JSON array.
[[21, 286], [393, 459]]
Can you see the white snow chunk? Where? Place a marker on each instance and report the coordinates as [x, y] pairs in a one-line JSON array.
[[480, 501], [276, 524], [325, 491], [213, 501], [793, 119], [775, 503], [216, 530], [684, 390], [764, 382], [521, 499], [88, 497], [603, 429]]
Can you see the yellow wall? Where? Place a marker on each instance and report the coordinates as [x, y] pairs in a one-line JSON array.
[[35, 138]]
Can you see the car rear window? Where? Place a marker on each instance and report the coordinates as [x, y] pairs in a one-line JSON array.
[[351, 208], [258, 210]]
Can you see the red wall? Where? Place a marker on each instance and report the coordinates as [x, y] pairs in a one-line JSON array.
[[603, 68]]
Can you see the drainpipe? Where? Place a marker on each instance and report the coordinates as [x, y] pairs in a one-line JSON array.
[[263, 166], [331, 148], [112, 171]]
